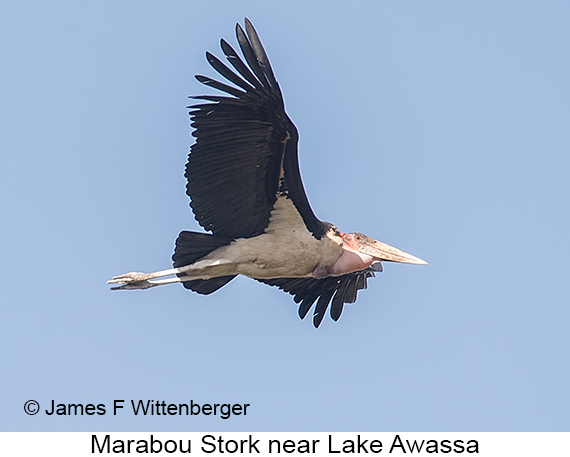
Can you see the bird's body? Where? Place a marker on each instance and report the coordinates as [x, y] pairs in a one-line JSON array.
[[245, 187], [285, 249]]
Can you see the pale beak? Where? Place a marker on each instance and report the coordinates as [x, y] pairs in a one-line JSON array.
[[385, 252]]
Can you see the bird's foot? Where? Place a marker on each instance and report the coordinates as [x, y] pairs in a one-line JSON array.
[[130, 281]]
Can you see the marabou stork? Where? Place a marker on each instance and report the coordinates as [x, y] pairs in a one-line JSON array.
[[245, 187]]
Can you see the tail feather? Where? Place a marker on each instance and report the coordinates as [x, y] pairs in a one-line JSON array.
[[192, 246], [207, 286]]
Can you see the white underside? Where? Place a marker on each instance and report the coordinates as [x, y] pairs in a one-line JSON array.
[[285, 249]]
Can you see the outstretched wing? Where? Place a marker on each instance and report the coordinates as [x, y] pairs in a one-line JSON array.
[[245, 153], [307, 290]]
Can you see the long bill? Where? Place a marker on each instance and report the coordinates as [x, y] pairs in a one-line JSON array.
[[384, 252]]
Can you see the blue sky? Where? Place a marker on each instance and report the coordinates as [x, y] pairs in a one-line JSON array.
[[438, 127]]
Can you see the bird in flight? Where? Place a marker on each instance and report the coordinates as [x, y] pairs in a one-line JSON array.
[[245, 188]]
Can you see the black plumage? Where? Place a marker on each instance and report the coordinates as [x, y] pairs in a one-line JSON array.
[[245, 187], [306, 291], [244, 143]]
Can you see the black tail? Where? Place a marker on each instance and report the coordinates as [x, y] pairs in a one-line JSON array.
[[192, 246]]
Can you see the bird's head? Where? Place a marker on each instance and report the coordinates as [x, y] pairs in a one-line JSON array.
[[376, 250]]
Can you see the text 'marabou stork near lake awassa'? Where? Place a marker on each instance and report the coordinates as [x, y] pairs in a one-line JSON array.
[[245, 188]]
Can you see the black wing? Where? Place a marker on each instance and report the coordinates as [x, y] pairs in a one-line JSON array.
[[307, 290], [245, 153]]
